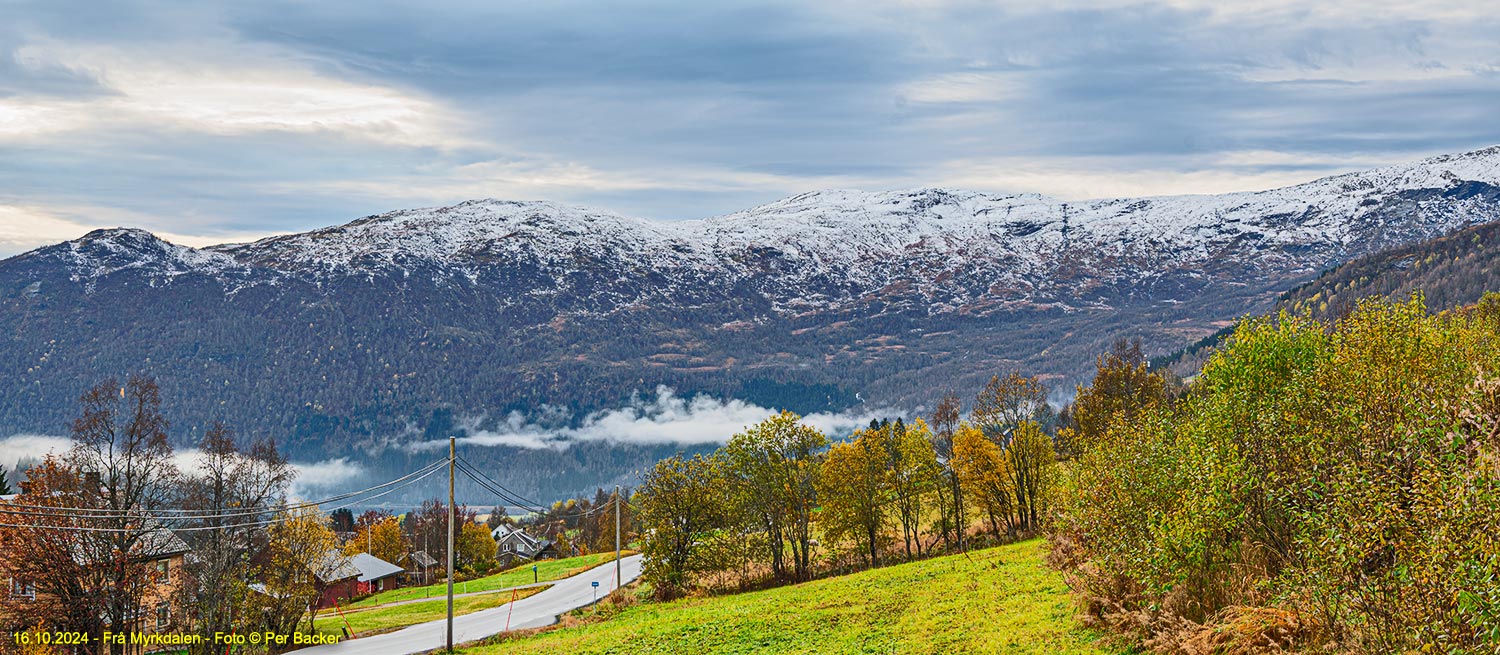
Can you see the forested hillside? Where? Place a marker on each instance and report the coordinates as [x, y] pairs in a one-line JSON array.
[[417, 324], [1450, 271]]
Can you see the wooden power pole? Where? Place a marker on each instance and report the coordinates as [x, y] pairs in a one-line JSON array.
[[619, 582], [452, 514]]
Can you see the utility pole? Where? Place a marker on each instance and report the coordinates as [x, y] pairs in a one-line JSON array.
[[618, 580], [452, 513]]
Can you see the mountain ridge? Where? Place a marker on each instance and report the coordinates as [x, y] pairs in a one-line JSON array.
[[868, 226], [361, 332]]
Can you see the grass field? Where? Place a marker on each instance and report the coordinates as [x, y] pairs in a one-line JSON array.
[[546, 570], [383, 619], [999, 600]]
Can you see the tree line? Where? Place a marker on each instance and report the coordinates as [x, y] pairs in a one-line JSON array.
[[780, 502]]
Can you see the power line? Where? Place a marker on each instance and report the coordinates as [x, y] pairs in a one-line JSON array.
[[521, 500], [423, 475], [537, 509], [507, 495], [181, 514], [504, 494]]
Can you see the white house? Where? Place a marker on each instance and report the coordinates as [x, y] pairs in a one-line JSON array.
[[513, 543]]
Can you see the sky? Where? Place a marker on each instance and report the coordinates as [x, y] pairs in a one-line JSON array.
[[210, 123]]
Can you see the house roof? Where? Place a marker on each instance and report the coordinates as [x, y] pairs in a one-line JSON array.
[[154, 543], [260, 588], [422, 559], [373, 568], [522, 537], [160, 542], [335, 567]]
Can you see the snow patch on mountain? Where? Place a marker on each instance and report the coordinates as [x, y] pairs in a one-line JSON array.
[[945, 250]]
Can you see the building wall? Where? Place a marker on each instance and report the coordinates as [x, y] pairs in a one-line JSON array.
[[338, 593]]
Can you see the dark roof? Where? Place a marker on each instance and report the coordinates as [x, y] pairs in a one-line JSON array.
[[532, 543]]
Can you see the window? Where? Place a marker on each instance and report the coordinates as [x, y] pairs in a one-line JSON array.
[[22, 589], [163, 571], [163, 615], [507, 546]]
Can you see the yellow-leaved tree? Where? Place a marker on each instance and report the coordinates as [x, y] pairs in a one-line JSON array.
[[914, 477], [475, 548], [303, 554], [981, 468], [851, 490], [382, 539]]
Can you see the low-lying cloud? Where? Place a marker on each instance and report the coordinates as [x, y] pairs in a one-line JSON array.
[[23, 448], [665, 418], [20, 449]]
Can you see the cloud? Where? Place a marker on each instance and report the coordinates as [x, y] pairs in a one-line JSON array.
[[257, 118], [322, 475], [665, 418], [195, 87], [30, 447], [25, 227], [311, 479]]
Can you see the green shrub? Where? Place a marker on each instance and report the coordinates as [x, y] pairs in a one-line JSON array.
[[1341, 478]]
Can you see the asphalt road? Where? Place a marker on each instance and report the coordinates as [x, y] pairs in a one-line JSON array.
[[536, 611]]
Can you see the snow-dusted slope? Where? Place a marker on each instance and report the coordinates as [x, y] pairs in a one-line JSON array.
[[813, 302], [950, 248], [932, 250]]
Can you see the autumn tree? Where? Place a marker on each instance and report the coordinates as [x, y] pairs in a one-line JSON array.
[[426, 527], [474, 546], [498, 517], [383, 539], [851, 489], [913, 473], [777, 462], [247, 484], [370, 517], [1005, 403], [120, 449], [1123, 385], [1030, 462], [302, 554], [66, 592], [981, 468], [944, 421], [681, 507], [342, 520], [1333, 481]]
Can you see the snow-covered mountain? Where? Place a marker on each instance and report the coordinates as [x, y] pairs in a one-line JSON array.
[[492, 305], [942, 249]]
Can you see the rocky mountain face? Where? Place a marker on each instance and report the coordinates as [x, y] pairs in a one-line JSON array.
[[405, 322]]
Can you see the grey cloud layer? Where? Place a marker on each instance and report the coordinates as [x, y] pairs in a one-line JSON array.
[[249, 118]]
